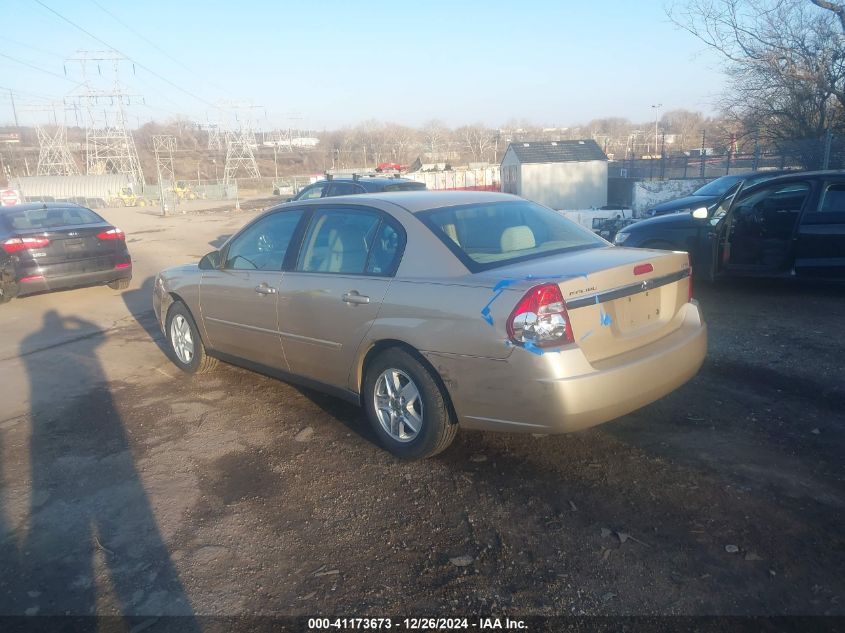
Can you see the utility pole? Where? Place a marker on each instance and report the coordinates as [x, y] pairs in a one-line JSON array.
[[828, 140], [14, 110], [702, 151], [656, 118]]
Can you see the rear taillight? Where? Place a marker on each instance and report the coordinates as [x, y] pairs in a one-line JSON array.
[[112, 234], [18, 244], [540, 318]]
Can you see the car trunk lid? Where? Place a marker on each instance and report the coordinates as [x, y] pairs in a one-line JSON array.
[[74, 248], [618, 299]]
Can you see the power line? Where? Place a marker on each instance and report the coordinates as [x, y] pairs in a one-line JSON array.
[[35, 48], [149, 41], [134, 61], [35, 95], [34, 67]]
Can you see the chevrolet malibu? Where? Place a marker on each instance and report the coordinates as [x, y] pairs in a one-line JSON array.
[[437, 310]]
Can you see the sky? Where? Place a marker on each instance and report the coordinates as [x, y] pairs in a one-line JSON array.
[[330, 64]]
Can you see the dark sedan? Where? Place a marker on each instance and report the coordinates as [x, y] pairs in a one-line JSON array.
[[789, 226], [59, 245], [711, 193], [332, 187]]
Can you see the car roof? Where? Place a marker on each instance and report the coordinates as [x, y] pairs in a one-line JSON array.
[[801, 175], [363, 180], [423, 200]]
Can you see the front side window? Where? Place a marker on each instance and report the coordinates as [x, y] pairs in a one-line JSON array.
[[772, 202], [339, 241], [312, 191], [264, 244], [494, 234]]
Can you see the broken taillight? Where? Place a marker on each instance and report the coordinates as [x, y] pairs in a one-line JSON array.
[[540, 318]]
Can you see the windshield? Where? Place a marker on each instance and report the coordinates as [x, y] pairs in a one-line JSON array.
[[494, 234], [718, 187]]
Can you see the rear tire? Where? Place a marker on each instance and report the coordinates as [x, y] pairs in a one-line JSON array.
[[416, 425], [8, 286], [119, 284], [184, 343]]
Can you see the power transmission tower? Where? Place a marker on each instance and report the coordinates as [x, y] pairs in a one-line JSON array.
[[109, 145], [164, 146], [239, 154], [215, 137], [54, 156], [240, 139]]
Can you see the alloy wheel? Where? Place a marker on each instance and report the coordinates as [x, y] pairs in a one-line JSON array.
[[181, 339], [398, 405]]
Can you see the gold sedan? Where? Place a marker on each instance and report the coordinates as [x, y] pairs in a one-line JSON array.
[[437, 310]]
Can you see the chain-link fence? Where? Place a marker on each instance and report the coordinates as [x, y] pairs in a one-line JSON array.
[[824, 153]]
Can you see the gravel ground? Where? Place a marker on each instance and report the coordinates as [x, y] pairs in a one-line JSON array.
[[233, 493]]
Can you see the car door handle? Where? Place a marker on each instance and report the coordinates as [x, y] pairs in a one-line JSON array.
[[354, 298], [264, 289]]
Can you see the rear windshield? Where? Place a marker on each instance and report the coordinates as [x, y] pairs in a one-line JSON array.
[[405, 186], [51, 217], [488, 235]]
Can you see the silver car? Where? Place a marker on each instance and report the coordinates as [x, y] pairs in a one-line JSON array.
[[438, 310]]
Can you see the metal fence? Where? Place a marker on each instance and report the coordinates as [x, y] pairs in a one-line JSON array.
[[825, 153]]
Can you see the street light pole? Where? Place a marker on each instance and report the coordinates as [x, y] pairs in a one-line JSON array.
[[656, 118]]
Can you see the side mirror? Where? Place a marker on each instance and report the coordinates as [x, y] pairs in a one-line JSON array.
[[211, 261], [289, 199], [700, 213]]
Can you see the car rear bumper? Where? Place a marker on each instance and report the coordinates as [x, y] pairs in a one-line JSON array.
[[561, 392], [33, 284]]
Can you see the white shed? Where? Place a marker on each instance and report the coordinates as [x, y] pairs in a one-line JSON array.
[[559, 174]]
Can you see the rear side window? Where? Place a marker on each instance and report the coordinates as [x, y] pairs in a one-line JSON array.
[[345, 189], [488, 235], [352, 241], [405, 186], [833, 200], [51, 218]]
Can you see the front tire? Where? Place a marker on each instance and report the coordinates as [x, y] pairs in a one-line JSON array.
[[184, 342], [407, 407]]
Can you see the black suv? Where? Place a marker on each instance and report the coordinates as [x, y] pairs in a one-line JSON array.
[[332, 187], [709, 194], [789, 226]]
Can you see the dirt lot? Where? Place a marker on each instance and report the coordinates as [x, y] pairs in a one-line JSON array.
[[130, 488]]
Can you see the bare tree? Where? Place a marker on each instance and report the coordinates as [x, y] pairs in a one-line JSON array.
[[786, 61], [435, 134], [477, 138]]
